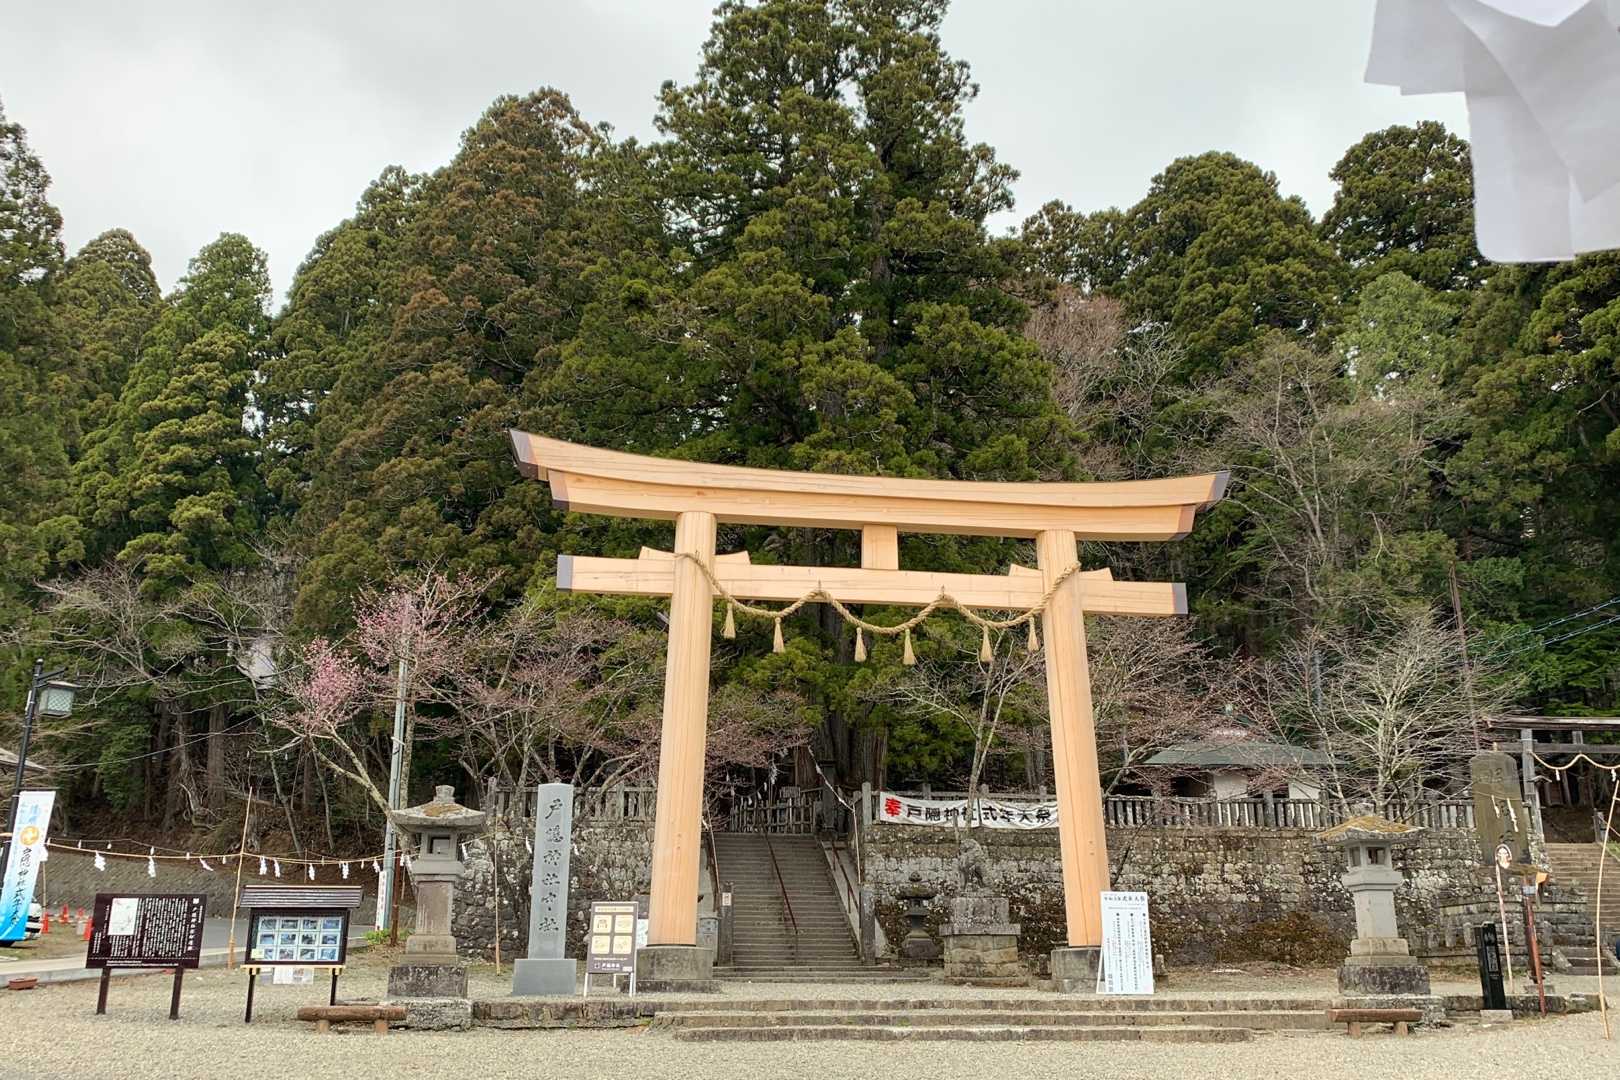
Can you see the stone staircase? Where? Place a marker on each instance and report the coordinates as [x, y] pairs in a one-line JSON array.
[[1576, 866], [764, 946], [1045, 1019]]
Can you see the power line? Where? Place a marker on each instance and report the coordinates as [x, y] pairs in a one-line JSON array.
[[1613, 600], [1610, 621]]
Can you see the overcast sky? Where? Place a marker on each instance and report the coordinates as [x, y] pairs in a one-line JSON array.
[[180, 120]]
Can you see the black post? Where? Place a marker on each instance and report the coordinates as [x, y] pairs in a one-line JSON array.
[[101, 994], [1490, 967], [253, 977], [332, 1000], [22, 747], [174, 1002]]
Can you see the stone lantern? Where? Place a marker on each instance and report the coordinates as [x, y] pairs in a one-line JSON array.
[[1380, 963], [431, 968], [917, 945]]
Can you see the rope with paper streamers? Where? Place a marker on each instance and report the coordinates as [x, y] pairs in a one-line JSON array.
[[944, 602], [269, 865]]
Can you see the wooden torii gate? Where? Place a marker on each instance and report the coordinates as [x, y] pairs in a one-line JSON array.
[[697, 497]]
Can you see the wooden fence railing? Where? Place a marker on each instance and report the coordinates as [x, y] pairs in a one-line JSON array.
[[796, 815], [802, 814], [1155, 812], [599, 804]]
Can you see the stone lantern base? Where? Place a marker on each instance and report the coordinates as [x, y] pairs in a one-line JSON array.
[[427, 980], [981, 943], [1383, 975]]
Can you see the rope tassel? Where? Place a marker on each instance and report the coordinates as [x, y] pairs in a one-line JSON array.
[[729, 631], [860, 647], [776, 643], [1034, 642], [985, 655], [908, 657]]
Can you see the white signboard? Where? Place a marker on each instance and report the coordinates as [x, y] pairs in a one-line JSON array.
[[23, 855], [988, 813], [1127, 945], [124, 914]]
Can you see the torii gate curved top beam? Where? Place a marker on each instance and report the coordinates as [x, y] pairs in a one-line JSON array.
[[589, 480], [697, 496]]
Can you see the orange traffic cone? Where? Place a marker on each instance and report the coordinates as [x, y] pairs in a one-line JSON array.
[[64, 916], [86, 923], [81, 914], [45, 922]]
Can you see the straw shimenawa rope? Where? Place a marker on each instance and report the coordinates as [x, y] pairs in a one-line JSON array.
[[945, 601]]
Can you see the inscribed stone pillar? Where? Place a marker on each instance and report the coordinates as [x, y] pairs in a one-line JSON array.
[[545, 970]]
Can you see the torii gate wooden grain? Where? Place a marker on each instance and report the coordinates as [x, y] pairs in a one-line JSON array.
[[698, 496]]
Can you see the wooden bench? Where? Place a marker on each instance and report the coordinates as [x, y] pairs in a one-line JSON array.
[[327, 1015], [1356, 1017]]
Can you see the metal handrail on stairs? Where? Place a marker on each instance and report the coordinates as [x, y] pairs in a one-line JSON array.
[[787, 905]]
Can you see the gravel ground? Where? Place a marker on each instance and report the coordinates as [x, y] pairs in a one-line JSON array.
[[54, 1032]]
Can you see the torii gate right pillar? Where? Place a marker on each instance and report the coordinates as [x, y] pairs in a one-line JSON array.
[[1081, 838]]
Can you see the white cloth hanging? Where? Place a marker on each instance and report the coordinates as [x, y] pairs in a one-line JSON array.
[[1542, 79]]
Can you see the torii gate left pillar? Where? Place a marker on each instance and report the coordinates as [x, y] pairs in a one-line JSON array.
[[697, 497]]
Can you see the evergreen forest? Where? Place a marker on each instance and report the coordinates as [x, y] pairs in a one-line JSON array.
[[250, 530]]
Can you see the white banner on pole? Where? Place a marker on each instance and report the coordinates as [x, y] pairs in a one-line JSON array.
[[23, 856], [1127, 945], [988, 813]]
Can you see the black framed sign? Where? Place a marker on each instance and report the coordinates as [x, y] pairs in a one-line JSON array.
[[146, 931], [297, 926], [298, 937]]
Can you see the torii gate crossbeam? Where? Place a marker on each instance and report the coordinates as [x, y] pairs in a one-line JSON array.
[[699, 496]]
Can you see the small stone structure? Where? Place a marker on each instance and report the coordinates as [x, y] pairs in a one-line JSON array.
[[981, 940], [918, 946], [1380, 961], [431, 968]]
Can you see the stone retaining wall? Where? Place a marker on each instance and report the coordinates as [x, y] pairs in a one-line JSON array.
[[610, 861], [1216, 895]]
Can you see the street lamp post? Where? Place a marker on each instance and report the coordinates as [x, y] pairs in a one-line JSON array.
[[47, 695]]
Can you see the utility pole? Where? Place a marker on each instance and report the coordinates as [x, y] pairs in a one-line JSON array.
[[1462, 643], [388, 885]]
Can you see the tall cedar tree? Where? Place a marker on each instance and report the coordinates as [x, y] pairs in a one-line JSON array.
[[169, 483], [468, 284], [36, 529], [828, 299]]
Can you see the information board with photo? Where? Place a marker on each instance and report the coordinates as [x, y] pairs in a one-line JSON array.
[[310, 937]]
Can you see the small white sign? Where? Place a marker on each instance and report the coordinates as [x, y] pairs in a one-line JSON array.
[[1126, 965], [293, 976], [121, 919]]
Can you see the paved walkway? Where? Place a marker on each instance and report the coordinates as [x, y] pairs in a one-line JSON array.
[[54, 1032]]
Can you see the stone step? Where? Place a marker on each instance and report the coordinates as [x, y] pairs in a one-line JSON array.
[[863, 977], [792, 969], [797, 1033], [1033, 1003], [1254, 1020], [787, 959]]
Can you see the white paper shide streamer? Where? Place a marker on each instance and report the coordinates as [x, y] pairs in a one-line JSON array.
[[1542, 79]]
